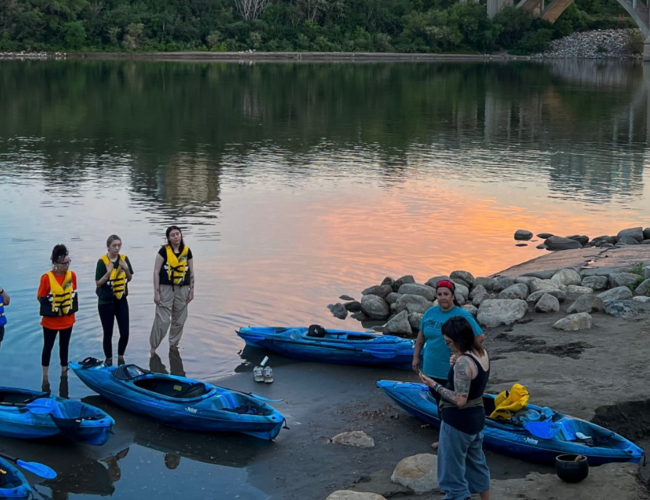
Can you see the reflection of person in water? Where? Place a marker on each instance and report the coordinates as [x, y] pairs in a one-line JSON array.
[[175, 363], [172, 461]]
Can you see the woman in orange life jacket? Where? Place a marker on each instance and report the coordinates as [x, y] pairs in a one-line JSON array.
[[173, 286], [4, 301], [57, 295], [112, 274]]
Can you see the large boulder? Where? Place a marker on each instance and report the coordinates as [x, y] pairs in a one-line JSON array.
[[602, 240], [580, 238], [618, 293], [579, 290], [575, 322], [418, 473], [547, 303], [473, 310], [399, 324], [627, 240], [338, 310], [488, 283], [643, 288], [622, 279], [378, 290], [495, 312], [464, 276], [559, 243], [635, 233], [401, 281], [502, 283], [477, 290], [621, 308], [375, 307], [523, 235], [595, 282], [414, 320], [535, 296], [412, 304], [646, 233], [566, 277], [586, 303], [392, 297], [516, 291], [544, 285], [414, 289]]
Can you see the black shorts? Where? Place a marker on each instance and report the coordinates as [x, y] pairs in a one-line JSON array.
[[2, 332]]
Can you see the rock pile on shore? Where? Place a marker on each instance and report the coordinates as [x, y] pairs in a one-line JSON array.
[[598, 44], [503, 300], [22, 55], [630, 236]]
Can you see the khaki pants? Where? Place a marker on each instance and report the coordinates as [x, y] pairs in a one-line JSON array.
[[171, 310]]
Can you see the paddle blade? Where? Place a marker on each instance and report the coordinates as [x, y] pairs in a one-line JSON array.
[[543, 430], [38, 469], [43, 406]]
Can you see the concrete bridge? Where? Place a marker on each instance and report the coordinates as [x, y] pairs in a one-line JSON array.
[[552, 9]]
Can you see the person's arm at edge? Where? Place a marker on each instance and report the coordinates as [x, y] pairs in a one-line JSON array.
[[5, 297], [156, 278], [417, 349], [190, 295]]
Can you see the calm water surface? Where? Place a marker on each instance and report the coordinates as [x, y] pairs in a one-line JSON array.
[[296, 183]]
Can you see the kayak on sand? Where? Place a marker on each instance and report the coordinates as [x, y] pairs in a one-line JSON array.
[[316, 343], [536, 441], [180, 402], [26, 414]]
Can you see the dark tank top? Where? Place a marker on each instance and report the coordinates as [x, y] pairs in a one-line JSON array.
[[468, 420]]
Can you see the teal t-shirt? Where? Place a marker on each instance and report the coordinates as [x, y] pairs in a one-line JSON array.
[[436, 354]]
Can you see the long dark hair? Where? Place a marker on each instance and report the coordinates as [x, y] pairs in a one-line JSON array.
[[460, 332], [58, 252], [169, 230]]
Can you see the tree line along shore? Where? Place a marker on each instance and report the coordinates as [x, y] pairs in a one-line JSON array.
[[403, 26]]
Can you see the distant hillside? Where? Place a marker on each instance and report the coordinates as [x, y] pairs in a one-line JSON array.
[[291, 25]]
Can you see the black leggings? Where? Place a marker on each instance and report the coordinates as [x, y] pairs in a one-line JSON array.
[[107, 313], [49, 336]]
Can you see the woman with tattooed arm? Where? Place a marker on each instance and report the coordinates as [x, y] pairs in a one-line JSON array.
[[462, 470]]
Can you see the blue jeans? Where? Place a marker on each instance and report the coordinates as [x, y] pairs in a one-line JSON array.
[[462, 470]]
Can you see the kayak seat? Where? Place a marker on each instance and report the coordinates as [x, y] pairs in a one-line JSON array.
[[316, 331], [193, 391], [129, 372]]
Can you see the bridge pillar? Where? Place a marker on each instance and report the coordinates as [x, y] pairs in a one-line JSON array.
[[646, 49], [494, 6]]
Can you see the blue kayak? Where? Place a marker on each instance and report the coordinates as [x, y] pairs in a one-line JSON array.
[[536, 441], [332, 346], [180, 402], [26, 414], [12, 483]]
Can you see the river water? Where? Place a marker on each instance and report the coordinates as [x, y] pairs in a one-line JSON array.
[[296, 183]]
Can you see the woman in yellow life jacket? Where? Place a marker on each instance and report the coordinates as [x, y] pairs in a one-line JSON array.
[[173, 289], [57, 295], [112, 274]]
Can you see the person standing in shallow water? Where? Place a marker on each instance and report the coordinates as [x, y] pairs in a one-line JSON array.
[[57, 296], [173, 289], [4, 301], [112, 275]]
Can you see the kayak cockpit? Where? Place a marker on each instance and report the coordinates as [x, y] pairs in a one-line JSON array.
[[240, 404], [160, 384]]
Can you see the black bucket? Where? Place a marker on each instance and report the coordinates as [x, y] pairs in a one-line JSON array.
[[571, 468]]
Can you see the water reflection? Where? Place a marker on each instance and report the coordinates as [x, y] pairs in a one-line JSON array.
[[175, 363], [64, 390]]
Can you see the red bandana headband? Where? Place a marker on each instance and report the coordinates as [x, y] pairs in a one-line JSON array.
[[446, 284]]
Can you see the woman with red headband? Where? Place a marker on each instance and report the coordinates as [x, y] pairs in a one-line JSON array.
[[436, 354]]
